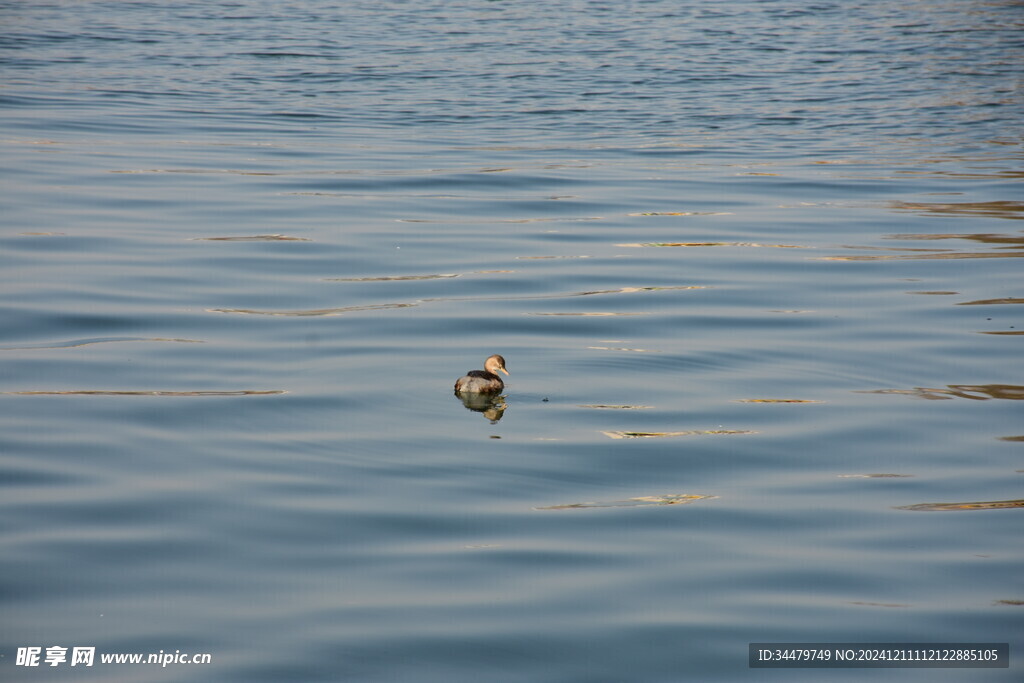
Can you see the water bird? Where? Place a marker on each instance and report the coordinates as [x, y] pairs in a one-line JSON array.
[[484, 381]]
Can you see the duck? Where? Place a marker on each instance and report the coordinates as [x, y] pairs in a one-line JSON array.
[[484, 381]]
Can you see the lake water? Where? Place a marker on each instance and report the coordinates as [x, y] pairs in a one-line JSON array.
[[754, 266]]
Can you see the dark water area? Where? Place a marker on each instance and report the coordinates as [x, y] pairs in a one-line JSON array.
[[753, 267]]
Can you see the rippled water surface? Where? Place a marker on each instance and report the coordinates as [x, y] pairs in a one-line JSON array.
[[754, 267]]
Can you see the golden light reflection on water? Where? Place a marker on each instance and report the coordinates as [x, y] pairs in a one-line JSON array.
[[691, 432], [998, 209], [923, 257], [982, 505], [978, 392], [712, 244], [1003, 246], [991, 302], [775, 400], [676, 499], [983, 237]]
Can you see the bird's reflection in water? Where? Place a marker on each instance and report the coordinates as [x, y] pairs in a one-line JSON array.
[[491, 405]]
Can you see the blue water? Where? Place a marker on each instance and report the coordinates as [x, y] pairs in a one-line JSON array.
[[742, 259]]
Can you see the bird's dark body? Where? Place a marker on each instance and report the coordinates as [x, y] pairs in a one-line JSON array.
[[483, 381]]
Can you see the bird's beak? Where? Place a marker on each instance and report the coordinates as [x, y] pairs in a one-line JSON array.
[[503, 370]]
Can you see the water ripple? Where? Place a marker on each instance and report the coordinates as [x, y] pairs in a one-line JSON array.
[[925, 257], [689, 432], [712, 244], [997, 209], [642, 501], [409, 304], [96, 340], [253, 238], [981, 392], [392, 278], [105, 392], [948, 507]]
